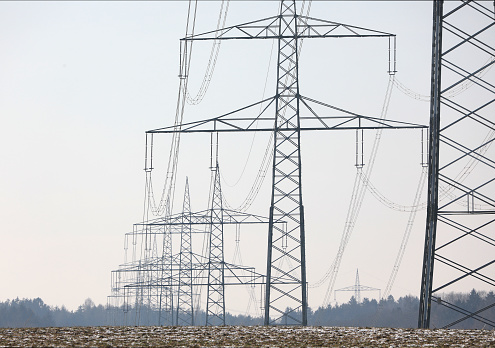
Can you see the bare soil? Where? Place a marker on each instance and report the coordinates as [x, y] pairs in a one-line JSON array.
[[243, 336]]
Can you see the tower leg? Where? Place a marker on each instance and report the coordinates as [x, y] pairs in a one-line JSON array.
[[431, 218]]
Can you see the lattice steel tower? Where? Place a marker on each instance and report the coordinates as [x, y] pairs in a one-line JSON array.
[[215, 302], [357, 288], [460, 239], [286, 283], [185, 303]]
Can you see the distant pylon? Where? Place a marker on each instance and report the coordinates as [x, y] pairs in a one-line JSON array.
[[185, 307], [357, 293], [357, 288], [215, 303], [166, 295]]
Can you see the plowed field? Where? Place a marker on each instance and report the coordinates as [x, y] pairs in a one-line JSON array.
[[238, 336]]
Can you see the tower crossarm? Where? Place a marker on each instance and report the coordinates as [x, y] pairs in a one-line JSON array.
[[315, 115], [231, 217], [327, 123], [308, 27], [234, 275]]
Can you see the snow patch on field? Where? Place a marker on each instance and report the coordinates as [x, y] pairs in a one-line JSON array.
[[250, 336]]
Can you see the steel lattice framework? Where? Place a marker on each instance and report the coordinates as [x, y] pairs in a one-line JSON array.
[[460, 239], [137, 288], [357, 288], [166, 296], [185, 303], [286, 284], [215, 302]]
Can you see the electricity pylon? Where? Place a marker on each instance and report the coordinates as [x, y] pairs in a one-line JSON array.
[[215, 302], [166, 295], [137, 289], [185, 304], [357, 288], [459, 240], [286, 283]]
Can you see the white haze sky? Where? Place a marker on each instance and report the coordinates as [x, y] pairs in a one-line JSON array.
[[80, 83]]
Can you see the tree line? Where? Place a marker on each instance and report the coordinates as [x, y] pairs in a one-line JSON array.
[[401, 313], [35, 313]]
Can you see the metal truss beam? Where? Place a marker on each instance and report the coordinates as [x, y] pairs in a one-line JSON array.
[[233, 274], [231, 217], [314, 115], [269, 28]]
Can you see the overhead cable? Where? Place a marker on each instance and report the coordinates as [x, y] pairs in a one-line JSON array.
[[215, 49], [355, 204]]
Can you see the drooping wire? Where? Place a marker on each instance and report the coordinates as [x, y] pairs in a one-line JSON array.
[[350, 222], [260, 177], [254, 133], [166, 200], [389, 203], [355, 204], [407, 233], [237, 260], [461, 176], [268, 156], [446, 192], [410, 93], [452, 92], [149, 247], [144, 251], [215, 49]]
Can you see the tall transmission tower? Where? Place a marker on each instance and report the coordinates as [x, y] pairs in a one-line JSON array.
[[166, 295], [357, 293], [459, 240], [215, 302], [286, 283], [185, 302]]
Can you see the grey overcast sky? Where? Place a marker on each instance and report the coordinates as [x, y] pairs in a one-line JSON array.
[[81, 81]]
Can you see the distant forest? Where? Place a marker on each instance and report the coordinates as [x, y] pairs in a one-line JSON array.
[[402, 313]]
